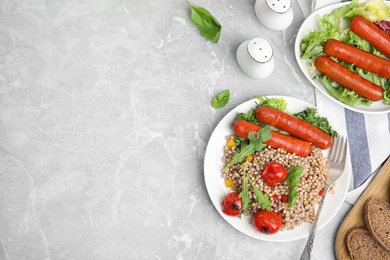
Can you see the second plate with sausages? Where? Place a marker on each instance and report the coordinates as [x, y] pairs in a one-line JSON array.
[[308, 26]]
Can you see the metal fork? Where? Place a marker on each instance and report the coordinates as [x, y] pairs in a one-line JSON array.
[[335, 163]]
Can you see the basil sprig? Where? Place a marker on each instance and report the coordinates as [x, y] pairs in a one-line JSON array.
[[222, 99], [208, 24], [293, 177]]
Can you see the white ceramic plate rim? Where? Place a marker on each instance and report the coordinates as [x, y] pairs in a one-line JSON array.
[[310, 24], [216, 188]]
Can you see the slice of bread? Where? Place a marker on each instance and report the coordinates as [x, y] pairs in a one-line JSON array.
[[377, 218], [361, 245]]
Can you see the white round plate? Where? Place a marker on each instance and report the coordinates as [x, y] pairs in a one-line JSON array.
[[309, 25], [216, 188]]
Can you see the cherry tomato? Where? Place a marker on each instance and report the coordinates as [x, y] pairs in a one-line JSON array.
[[320, 192], [232, 204], [274, 173], [267, 222]]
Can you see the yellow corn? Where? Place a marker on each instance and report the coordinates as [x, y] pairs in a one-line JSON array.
[[249, 158], [229, 183], [230, 143]]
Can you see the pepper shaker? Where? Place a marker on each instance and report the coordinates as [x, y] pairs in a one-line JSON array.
[[255, 58], [274, 14]]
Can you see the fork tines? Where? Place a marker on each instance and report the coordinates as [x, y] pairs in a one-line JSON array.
[[338, 150]]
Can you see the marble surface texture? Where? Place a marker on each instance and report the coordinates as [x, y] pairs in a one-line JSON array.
[[105, 115]]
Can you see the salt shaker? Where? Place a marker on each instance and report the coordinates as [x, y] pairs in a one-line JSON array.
[[274, 14], [255, 58]]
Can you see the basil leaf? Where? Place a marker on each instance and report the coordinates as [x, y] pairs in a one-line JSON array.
[[263, 199], [208, 24], [294, 170], [244, 193], [222, 99], [292, 197], [255, 144], [296, 175]]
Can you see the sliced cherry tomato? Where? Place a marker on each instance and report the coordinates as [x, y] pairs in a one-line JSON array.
[[232, 204], [284, 198], [307, 177], [267, 222], [274, 173], [275, 197], [321, 192]]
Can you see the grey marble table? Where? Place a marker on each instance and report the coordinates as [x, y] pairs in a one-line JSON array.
[[105, 115]]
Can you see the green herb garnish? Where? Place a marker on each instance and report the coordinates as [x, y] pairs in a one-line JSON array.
[[310, 115], [277, 103], [255, 143], [244, 195], [208, 24], [293, 177], [222, 99], [262, 199], [342, 94], [292, 197]]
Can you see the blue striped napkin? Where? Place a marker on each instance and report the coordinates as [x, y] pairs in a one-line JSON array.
[[368, 136]]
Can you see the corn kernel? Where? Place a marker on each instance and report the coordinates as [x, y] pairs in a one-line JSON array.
[[231, 143], [229, 183]]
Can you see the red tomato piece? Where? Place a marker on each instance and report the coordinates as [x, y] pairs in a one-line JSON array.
[[275, 197], [284, 198], [267, 222], [320, 192], [232, 204], [274, 173]]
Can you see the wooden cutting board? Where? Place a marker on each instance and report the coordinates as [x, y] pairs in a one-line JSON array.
[[379, 188]]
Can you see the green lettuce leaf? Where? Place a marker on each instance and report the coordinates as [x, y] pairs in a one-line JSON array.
[[342, 94], [373, 10], [310, 115]]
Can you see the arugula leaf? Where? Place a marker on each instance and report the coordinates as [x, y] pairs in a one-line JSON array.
[[310, 115], [208, 24], [263, 199], [244, 195], [222, 99], [292, 197], [254, 144]]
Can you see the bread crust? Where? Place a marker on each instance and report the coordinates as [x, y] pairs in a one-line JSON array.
[[377, 218], [361, 245]]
